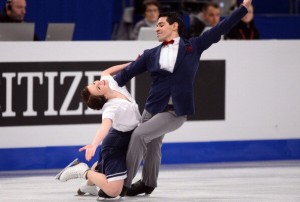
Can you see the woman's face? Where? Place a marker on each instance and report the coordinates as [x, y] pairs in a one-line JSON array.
[[98, 87]]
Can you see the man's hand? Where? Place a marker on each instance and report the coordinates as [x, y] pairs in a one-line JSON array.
[[247, 3]]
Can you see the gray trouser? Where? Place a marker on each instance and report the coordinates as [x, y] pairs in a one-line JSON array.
[[145, 144]]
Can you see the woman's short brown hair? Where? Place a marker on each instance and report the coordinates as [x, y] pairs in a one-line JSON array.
[[93, 102]]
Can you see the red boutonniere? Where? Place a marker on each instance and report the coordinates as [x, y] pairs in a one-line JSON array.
[[189, 49]]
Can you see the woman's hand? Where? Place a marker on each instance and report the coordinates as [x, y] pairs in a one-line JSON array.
[[89, 151]]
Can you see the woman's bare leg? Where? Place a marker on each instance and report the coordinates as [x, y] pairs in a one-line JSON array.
[[89, 182], [113, 188]]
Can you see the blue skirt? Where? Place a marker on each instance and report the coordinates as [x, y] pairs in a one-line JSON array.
[[112, 156]]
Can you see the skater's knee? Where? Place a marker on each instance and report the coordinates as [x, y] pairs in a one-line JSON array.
[[113, 193], [113, 189], [137, 137]]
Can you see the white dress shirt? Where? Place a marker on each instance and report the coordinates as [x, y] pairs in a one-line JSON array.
[[124, 114], [168, 55]]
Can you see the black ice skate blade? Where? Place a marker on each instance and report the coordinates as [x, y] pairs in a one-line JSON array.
[[117, 198]]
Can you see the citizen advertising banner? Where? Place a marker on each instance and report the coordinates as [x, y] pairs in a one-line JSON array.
[[48, 93]]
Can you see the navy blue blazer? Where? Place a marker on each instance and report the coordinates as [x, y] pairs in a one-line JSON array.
[[178, 84]]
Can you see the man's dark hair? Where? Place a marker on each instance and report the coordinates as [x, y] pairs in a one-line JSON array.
[[93, 102], [173, 17]]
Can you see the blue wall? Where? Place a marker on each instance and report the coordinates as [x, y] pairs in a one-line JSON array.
[[271, 6], [278, 27], [172, 153]]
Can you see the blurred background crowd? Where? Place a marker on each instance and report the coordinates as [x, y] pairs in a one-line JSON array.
[[122, 19]]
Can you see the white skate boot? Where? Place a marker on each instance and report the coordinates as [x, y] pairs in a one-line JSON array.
[[88, 189], [74, 170]]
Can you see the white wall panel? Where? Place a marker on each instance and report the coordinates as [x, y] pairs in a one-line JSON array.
[[262, 91]]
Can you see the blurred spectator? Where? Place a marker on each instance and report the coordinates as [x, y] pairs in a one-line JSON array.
[[209, 17], [137, 9], [122, 29], [245, 29], [14, 11], [227, 6], [234, 5], [151, 14]]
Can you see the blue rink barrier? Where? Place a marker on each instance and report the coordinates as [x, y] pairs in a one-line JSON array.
[[173, 153]]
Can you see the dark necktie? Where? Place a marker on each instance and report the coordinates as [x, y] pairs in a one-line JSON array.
[[168, 42]]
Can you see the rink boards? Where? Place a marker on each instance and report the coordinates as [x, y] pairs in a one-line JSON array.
[[247, 97]]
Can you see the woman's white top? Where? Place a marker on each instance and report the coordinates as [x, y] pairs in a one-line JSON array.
[[124, 114]]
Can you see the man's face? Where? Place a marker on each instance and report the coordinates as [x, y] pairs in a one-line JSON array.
[[17, 11], [152, 13], [211, 15], [164, 30]]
